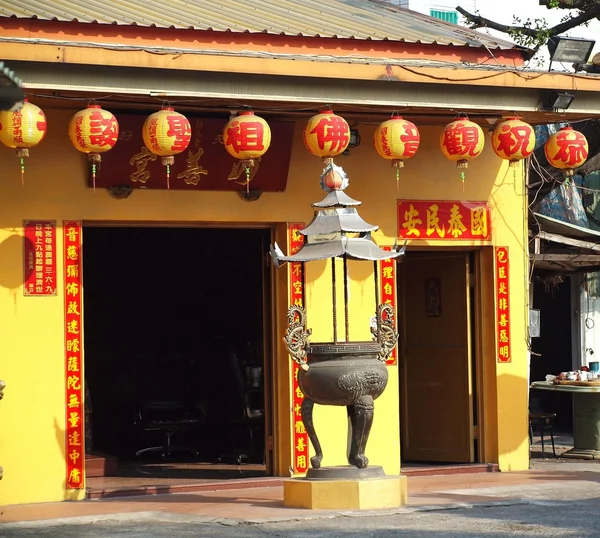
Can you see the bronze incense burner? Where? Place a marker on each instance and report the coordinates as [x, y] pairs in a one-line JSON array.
[[352, 374]]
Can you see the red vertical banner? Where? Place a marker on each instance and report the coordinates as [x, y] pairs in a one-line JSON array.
[[502, 305], [40, 257], [296, 279], [74, 434], [387, 293]]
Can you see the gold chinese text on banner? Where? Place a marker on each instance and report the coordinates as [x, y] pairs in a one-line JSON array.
[[74, 434], [387, 293], [296, 279], [39, 248], [442, 219], [502, 305]]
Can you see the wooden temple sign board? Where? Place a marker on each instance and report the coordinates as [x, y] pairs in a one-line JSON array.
[[296, 278], [442, 219], [387, 293], [74, 403], [503, 353], [40, 257], [204, 165]]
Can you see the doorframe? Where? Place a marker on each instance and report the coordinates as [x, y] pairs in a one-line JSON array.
[[270, 339], [483, 338], [484, 357]]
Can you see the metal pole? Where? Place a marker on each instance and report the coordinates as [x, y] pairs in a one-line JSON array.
[[376, 277], [346, 318], [333, 292]]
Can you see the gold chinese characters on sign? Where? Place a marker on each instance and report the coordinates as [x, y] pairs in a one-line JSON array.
[[448, 220], [74, 404], [502, 305], [300, 436]]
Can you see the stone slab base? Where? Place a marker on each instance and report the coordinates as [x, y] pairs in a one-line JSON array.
[[100, 465], [357, 494], [582, 454]]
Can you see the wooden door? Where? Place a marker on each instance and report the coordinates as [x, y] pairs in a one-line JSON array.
[[435, 358]]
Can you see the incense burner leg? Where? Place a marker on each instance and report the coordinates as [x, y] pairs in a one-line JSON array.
[[361, 419], [309, 425]]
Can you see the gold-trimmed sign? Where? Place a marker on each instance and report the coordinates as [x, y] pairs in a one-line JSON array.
[[443, 219]]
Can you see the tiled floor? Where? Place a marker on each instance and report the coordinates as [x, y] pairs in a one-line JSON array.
[[267, 502], [261, 498]]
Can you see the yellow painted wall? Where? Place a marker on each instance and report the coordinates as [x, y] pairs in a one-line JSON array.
[[31, 329]]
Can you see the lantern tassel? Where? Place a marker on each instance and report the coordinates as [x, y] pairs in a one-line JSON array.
[[167, 161], [22, 153], [95, 159], [397, 164], [247, 179], [462, 178]]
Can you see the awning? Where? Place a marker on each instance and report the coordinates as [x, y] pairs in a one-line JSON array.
[[563, 248], [10, 88]]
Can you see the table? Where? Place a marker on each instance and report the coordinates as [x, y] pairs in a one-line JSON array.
[[586, 418]]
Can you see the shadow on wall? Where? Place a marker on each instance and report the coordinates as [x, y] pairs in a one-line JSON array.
[[12, 249], [2, 385], [513, 412]]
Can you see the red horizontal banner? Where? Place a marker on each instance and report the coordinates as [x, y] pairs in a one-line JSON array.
[[448, 220], [205, 165]]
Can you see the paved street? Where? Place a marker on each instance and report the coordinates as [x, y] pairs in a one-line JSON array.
[[556, 498], [550, 518], [567, 506]]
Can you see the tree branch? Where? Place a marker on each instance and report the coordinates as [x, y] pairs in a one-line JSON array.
[[583, 17], [477, 21], [567, 4]]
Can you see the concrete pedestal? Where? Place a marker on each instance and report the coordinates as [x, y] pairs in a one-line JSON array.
[[345, 488]]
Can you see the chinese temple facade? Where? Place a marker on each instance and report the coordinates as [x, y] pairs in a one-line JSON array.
[[129, 270]]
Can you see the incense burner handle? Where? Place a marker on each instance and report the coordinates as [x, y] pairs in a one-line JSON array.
[[296, 337], [385, 333]]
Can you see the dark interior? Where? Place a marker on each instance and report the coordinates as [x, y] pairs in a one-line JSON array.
[[173, 321], [552, 352]]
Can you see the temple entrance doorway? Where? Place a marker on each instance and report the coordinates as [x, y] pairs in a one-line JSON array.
[[436, 367], [176, 350]]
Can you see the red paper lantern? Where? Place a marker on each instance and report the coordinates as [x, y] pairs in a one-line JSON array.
[[566, 150], [461, 141], [93, 131], [326, 134], [397, 140], [513, 140], [167, 133], [247, 137], [22, 129]]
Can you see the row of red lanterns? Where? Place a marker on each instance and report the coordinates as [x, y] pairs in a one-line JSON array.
[[247, 137]]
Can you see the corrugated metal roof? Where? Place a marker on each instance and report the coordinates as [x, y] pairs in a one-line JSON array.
[[351, 19]]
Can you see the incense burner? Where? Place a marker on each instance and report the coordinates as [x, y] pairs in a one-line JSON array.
[[342, 373]]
